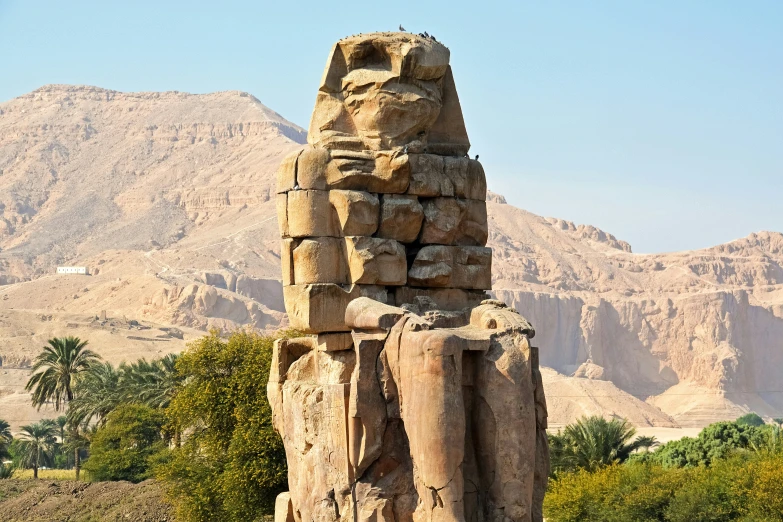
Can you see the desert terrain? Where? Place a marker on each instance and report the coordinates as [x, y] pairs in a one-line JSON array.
[[166, 198]]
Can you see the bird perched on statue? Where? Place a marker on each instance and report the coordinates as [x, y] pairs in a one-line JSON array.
[[402, 28], [476, 156]]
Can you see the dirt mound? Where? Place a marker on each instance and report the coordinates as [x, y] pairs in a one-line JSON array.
[[45, 501]]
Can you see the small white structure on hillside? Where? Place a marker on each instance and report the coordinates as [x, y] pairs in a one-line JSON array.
[[81, 270]]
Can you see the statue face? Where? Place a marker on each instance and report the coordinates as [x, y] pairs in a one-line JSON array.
[[389, 110], [383, 91]]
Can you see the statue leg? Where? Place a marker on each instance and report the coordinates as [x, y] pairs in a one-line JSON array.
[[430, 393], [504, 429]]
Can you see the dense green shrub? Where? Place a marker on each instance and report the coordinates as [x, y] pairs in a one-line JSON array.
[[716, 441], [745, 486], [129, 445], [231, 464], [750, 419]]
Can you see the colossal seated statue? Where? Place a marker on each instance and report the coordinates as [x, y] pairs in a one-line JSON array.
[[412, 396]]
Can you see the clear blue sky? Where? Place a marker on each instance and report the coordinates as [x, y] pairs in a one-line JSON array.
[[661, 122]]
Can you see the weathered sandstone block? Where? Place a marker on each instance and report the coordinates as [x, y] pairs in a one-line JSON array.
[[452, 221], [315, 308], [452, 267], [335, 213], [320, 260], [357, 212], [433, 176], [286, 172], [334, 342], [401, 218], [287, 260], [443, 298], [376, 261], [381, 172], [309, 214], [367, 314], [366, 406], [281, 206]]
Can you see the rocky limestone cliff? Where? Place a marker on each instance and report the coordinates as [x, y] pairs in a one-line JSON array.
[[166, 198]]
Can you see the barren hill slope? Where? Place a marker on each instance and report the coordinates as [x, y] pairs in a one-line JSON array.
[[165, 197]]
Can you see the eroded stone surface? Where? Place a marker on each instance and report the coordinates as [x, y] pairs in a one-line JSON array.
[[401, 218], [357, 211], [453, 221], [315, 308], [433, 176], [309, 214], [431, 410], [376, 261], [320, 260], [452, 267]]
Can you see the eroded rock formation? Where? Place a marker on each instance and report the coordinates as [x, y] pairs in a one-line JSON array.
[[414, 396]]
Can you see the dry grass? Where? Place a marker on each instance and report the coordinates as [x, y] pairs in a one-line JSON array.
[[46, 474]]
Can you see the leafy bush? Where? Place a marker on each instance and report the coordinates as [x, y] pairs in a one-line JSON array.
[[615, 493], [126, 447], [716, 441], [231, 465], [750, 419], [742, 487]]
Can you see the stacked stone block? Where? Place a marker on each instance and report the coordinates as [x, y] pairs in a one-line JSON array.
[[407, 226], [412, 397]]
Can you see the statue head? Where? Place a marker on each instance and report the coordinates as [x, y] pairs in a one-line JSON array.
[[384, 91]]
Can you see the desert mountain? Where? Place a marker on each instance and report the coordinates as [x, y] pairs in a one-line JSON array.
[[166, 198]]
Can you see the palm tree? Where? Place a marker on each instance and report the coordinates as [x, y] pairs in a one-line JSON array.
[[593, 442], [77, 440], [96, 394], [5, 438], [35, 445], [152, 383], [56, 371], [61, 422]]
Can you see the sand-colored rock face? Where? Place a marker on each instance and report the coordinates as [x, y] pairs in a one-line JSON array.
[[433, 409], [161, 191]]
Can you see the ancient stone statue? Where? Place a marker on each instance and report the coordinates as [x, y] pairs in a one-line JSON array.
[[413, 396]]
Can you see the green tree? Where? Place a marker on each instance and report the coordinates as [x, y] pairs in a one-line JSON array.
[[5, 443], [232, 464], [55, 374], [750, 419], [96, 394], [125, 447], [102, 388], [35, 445], [60, 458], [594, 442], [153, 383], [5, 439], [716, 441]]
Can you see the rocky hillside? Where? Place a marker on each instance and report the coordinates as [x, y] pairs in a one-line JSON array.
[[165, 197]]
